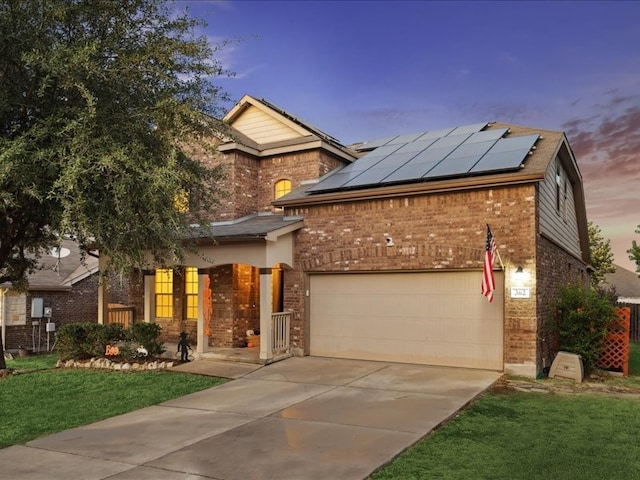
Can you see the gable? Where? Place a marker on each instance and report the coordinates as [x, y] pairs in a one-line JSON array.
[[263, 128], [557, 205]]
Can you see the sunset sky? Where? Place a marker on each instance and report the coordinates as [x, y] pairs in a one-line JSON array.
[[362, 69]]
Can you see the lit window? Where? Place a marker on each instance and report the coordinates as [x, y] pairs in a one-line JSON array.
[[191, 292], [181, 201], [164, 293], [282, 188]]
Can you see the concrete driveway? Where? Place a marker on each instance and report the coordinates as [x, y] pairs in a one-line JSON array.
[[302, 418]]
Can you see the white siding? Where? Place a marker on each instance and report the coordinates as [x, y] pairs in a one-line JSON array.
[[559, 224], [263, 128]]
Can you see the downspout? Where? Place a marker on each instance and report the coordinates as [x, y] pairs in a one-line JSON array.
[[3, 322]]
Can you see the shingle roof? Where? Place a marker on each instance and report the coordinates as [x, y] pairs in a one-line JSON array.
[[250, 227], [533, 169], [61, 269], [626, 282]]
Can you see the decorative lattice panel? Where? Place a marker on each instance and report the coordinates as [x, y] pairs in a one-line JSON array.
[[615, 355]]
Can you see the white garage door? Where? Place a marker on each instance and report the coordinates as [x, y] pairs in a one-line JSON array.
[[428, 318]]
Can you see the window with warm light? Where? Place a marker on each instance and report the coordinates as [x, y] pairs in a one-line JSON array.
[[282, 187], [164, 293], [181, 201], [191, 293]]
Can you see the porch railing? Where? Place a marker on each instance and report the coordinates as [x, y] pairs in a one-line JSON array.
[[120, 314], [281, 323]]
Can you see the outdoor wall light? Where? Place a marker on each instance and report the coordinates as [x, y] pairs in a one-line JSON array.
[[519, 275], [389, 242]]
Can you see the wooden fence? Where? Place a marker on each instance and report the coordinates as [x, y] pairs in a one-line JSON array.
[[615, 355], [121, 314]]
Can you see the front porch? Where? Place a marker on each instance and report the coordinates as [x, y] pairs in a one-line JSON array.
[[230, 286], [281, 349]]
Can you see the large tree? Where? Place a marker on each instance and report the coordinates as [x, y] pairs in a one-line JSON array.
[[97, 101], [601, 255], [634, 252]]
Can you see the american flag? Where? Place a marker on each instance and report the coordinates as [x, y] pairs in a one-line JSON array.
[[488, 280]]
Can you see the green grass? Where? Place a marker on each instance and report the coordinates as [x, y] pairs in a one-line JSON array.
[[520, 435], [528, 436], [33, 362], [634, 359], [48, 401]]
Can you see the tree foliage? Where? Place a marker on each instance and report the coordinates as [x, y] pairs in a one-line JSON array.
[[97, 101], [634, 251], [582, 318], [601, 255]]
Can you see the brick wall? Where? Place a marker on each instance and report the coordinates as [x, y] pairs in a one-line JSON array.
[[236, 304], [248, 186], [80, 304], [295, 167], [555, 268], [429, 232]]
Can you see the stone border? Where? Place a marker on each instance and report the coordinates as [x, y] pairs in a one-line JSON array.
[[106, 364]]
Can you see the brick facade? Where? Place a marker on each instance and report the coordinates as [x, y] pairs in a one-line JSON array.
[[555, 268], [428, 237], [76, 305], [248, 188]]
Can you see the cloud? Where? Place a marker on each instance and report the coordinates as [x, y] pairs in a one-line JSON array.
[[606, 142]]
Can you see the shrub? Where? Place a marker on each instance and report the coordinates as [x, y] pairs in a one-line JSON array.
[[582, 319], [147, 334], [85, 340]]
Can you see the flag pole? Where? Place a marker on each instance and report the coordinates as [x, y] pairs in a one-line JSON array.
[[497, 251], [499, 258]]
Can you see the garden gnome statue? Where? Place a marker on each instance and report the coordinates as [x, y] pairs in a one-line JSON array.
[[184, 347]]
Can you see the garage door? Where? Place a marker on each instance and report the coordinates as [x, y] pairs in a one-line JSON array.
[[428, 318]]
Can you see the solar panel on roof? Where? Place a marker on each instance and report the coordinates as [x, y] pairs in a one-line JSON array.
[[487, 135], [515, 143], [405, 138], [475, 127], [411, 171], [472, 149], [449, 141], [369, 145], [435, 154], [506, 154], [453, 167]]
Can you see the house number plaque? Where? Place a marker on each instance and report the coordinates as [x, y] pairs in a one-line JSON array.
[[520, 292]]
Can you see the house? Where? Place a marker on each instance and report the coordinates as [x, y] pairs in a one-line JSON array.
[[626, 284], [66, 289], [375, 251]]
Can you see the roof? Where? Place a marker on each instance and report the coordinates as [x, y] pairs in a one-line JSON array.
[[61, 268], [531, 166], [252, 227], [261, 128], [626, 283]]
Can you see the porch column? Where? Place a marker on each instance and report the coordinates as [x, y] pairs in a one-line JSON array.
[[204, 299], [266, 332], [149, 300], [103, 294]]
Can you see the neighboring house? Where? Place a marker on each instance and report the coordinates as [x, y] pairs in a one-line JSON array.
[[626, 284], [375, 251], [67, 286]]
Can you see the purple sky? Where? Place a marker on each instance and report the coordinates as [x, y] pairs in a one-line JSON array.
[[363, 69]]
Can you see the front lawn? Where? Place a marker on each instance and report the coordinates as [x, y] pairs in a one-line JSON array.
[[510, 435], [529, 436], [40, 402]]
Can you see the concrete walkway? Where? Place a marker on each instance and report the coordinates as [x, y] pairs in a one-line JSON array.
[[302, 418]]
